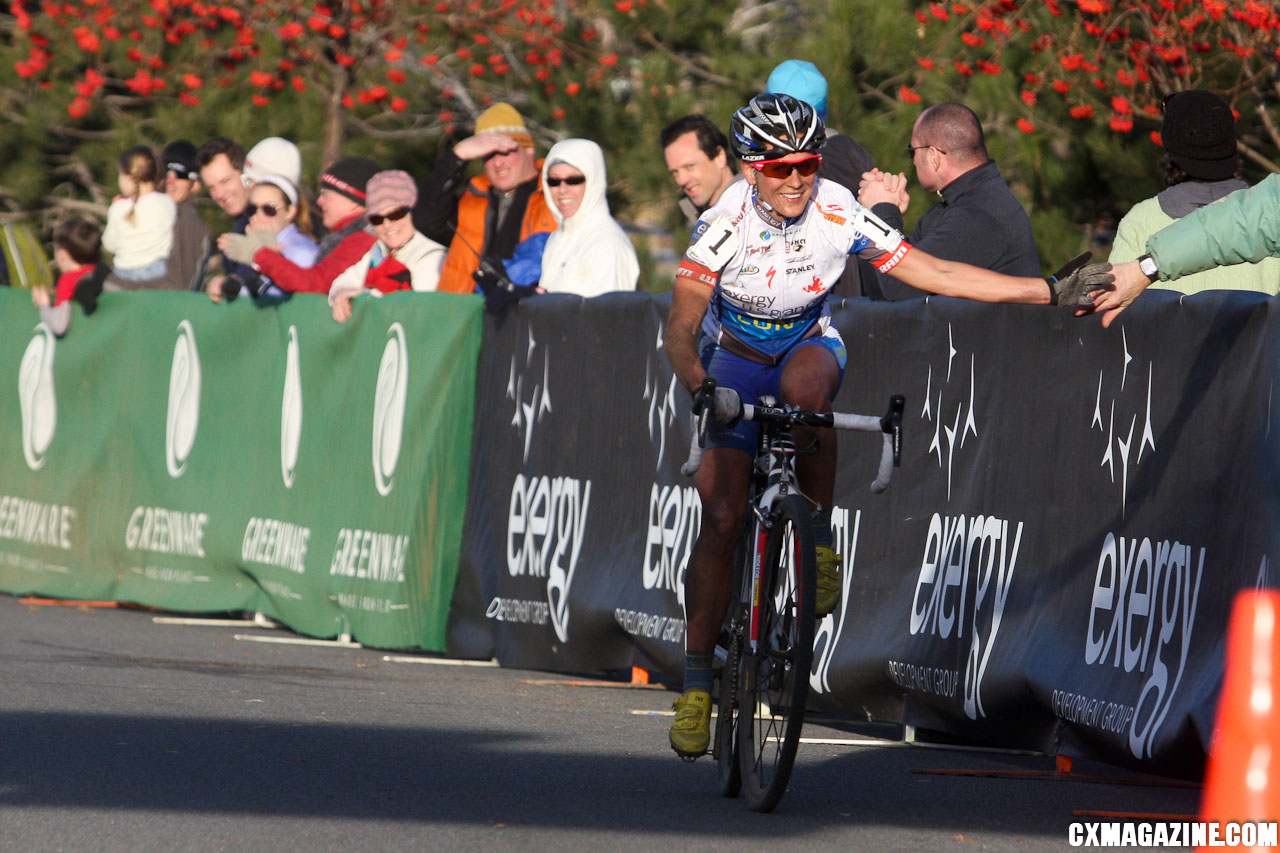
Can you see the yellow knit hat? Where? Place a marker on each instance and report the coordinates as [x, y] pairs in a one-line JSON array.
[[503, 118]]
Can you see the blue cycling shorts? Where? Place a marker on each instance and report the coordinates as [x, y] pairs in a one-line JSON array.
[[753, 380]]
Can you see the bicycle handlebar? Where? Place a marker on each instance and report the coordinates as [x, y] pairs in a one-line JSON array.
[[890, 424]]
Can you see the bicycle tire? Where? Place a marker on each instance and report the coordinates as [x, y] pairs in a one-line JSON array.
[[774, 681], [726, 742]]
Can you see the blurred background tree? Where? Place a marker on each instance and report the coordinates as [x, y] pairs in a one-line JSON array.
[[1069, 92]]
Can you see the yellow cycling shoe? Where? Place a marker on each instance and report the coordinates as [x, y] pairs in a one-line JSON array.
[[828, 580], [691, 731]]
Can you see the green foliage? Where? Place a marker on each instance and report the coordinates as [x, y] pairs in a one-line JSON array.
[[617, 71]]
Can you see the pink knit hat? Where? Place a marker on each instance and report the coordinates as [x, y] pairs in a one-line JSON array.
[[391, 189]]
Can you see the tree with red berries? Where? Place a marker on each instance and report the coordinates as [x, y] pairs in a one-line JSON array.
[[1091, 74], [399, 71]]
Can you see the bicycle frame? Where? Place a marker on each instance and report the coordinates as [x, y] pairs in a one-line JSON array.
[[771, 621], [773, 477]]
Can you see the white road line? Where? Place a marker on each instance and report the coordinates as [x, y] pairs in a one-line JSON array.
[[183, 620], [298, 641], [438, 661]]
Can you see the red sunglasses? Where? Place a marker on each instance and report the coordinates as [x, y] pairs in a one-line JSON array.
[[781, 169]]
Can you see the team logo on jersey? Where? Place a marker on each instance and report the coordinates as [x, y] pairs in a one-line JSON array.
[[290, 411], [815, 286], [184, 401], [765, 235], [388, 408], [36, 397], [749, 269]]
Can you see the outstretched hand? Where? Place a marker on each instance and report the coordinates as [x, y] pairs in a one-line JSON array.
[[1076, 283], [1130, 281]]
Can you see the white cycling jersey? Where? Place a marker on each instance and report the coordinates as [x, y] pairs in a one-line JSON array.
[[771, 277]]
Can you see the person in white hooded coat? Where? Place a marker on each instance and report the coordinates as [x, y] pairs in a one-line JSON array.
[[589, 253]]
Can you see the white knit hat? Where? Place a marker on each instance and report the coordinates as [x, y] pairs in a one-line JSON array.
[[273, 156]]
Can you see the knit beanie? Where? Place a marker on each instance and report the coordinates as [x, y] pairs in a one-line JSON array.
[[801, 80], [1199, 132], [391, 189], [350, 177], [273, 156], [283, 184], [180, 158], [503, 118]]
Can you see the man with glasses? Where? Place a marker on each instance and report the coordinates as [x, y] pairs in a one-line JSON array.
[[749, 308], [493, 212], [978, 221]]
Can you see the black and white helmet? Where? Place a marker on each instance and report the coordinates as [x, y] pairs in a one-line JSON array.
[[773, 126]]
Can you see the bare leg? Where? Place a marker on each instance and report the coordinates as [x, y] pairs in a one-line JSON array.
[[810, 381], [723, 481]]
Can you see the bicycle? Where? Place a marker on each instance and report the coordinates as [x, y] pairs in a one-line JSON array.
[[769, 630]]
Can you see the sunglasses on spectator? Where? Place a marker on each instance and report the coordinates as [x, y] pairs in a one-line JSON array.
[[394, 216], [267, 209], [912, 149], [573, 181], [780, 170]]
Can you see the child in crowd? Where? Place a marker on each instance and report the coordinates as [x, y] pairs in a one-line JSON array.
[[77, 246], [140, 220]]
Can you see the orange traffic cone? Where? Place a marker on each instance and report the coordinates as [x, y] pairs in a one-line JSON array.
[[1244, 757]]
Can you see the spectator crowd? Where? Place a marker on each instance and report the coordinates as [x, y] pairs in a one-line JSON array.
[[521, 225]]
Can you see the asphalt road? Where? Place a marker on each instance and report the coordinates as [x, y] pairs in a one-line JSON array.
[[119, 732]]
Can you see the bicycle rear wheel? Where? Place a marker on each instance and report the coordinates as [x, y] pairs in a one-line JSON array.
[[774, 682]]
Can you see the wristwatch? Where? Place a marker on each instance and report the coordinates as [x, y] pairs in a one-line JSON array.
[[1147, 264]]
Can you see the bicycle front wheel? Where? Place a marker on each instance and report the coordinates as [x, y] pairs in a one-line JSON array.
[[726, 721], [774, 681]]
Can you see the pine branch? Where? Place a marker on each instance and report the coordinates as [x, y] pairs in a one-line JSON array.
[[692, 68]]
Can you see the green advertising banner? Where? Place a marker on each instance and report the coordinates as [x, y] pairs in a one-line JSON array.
[[191, 456]]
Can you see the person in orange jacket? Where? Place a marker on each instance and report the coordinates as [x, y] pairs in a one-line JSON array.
[[495, 211]]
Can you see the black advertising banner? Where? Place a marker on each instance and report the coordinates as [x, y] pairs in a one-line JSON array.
[[575, 423], [1052, 568]]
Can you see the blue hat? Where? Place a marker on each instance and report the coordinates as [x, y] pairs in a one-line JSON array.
[[802, 80]]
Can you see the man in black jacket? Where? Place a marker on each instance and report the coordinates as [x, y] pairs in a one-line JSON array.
[[978, 221]]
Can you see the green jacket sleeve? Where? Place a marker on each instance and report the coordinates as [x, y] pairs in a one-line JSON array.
[[1242, 228]]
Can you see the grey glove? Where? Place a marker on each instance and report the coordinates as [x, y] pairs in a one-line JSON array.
[[725, 405], [1071, 285], [242, 247]]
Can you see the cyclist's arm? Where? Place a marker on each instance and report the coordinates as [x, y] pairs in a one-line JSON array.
[[713, 243], [689, 302], [952, 278], [892, 255]]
